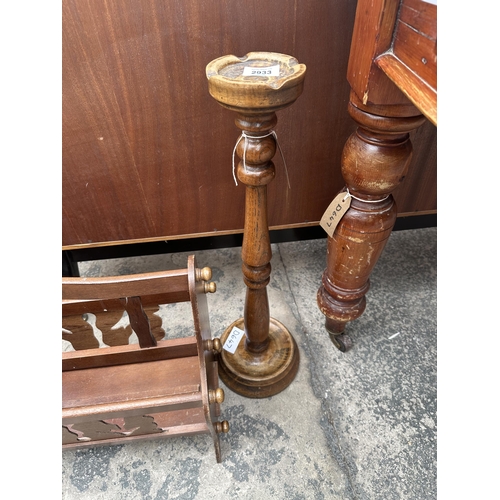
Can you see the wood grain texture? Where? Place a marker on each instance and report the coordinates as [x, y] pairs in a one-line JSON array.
[[372, 36], [268, 362], [108, 393], [412, 86], [146, 150], [390, 100], [168, 283], [415, 39], [411, 61], [123, 354]]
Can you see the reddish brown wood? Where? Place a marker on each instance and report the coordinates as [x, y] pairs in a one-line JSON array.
[[110, 287], [145, 153], [207, 363], [79, 333], [417, 51], [393, 59], [404, 78], [411, 61], [181, 418], [130, 389], [415, 39], [107, 323], [375, 160], [126, 354], [139, 322], [372, 36], [111, 394], [162, 422], [386, 102]]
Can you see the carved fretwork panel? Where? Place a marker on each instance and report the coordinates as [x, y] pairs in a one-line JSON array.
[[78, 332], [115, 330], [113, 326], [93, 431], [134, 426], [99, 430], [155, 322], [69, 437]]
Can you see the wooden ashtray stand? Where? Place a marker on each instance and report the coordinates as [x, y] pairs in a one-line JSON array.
[[255, 87], [153, 389]]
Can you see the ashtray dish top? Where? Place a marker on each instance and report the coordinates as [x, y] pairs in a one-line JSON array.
[[256, 81]]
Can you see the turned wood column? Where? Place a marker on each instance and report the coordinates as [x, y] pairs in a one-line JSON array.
[[375, 160], [255, 87], [392, 72]]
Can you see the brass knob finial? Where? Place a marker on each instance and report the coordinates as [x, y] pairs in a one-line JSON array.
[[204, 274], [217, 344], [221, 427], [213, 345], [216, 396]]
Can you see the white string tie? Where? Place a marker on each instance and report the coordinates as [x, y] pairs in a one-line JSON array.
[[364, 201], [246, 136]]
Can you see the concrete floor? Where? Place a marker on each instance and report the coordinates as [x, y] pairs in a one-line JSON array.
[[357, 425]]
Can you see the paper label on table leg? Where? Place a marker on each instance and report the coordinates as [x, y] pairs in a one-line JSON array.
[[233, 340], [335, 211]]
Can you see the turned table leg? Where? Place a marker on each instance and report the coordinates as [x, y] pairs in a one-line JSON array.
[[267, 361], [374, 161]]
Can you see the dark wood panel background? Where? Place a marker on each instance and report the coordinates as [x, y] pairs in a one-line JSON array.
[[147, 152]]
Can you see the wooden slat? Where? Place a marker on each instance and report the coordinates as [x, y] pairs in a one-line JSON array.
[[119, 355], [415, 39], [182, 418], [72, 307], [421, 16], [422, 95], [132, 407], [112, 384], [176, 430], [113, 287], [139, 322], [206, 357]]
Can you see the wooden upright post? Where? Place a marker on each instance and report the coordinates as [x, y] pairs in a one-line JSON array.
[[256, 86]]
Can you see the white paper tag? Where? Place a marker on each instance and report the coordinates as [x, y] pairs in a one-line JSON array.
[[263, 71], [233, 340], [335, 211]]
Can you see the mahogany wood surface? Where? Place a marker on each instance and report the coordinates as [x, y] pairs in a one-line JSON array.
[[168, 420], [130, 387], [124, 354], [411, 61], [146, 151], [207, 361], [109, 287]]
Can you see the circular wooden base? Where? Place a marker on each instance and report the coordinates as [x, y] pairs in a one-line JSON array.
[[260, 375]]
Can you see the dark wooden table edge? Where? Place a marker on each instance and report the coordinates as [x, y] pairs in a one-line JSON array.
[[70, 258]]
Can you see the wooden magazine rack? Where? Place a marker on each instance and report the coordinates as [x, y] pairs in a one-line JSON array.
[[115, 392]]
